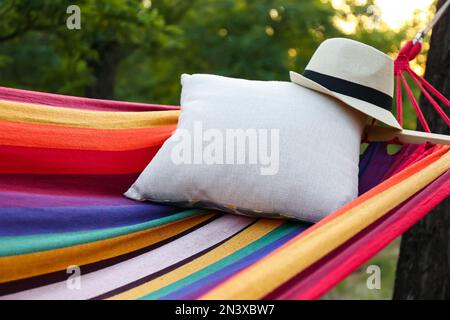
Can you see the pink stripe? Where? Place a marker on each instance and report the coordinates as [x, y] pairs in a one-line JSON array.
[[406, 156], [30, 200], [58, 100], [326, 273], [421, 152]]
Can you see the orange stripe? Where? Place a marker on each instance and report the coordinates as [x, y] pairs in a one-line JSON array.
[[47, 136]]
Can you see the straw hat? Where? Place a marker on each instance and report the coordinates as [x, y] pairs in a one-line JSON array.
[[357, 74]]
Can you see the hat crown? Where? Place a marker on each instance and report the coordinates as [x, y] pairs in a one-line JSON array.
[[355, 62]]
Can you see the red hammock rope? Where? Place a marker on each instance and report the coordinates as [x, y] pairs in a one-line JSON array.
[[402, 66]]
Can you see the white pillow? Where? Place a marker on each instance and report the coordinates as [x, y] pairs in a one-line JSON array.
[[297, 156]]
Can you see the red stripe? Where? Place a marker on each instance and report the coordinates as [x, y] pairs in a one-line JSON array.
[[67, 161]]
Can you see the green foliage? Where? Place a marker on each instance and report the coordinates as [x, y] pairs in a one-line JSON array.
[[45, 55], [141, 47], [231, 38]]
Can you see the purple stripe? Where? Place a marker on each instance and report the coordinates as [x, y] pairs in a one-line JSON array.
[[377, 163], [26, 200]]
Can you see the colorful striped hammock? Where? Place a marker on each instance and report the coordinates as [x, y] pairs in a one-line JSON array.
[[66, 161]]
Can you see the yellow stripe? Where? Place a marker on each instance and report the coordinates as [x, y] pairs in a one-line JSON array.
[[39, 114], [244, 238], [33, 264], [260, 279]]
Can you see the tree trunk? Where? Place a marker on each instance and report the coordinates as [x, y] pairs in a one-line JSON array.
[[104, 69], [423, 269]]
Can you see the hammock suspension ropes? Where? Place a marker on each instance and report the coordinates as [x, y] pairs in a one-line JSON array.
[[402, 66]]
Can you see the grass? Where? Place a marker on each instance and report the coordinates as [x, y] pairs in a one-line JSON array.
[[354, 286]]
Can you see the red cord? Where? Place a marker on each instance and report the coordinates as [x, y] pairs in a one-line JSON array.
[[433, 90], [415, 104], [433, 102], [399, 100], [401, 65]]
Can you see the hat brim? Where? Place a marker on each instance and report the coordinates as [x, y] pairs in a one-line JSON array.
[[367, 108]]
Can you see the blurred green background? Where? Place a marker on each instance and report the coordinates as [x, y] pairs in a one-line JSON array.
[[137, 50]]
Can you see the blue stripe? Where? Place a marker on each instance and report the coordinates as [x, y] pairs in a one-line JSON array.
[[28, 221]]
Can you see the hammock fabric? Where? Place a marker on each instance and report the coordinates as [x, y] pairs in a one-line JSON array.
[[66, 161]]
